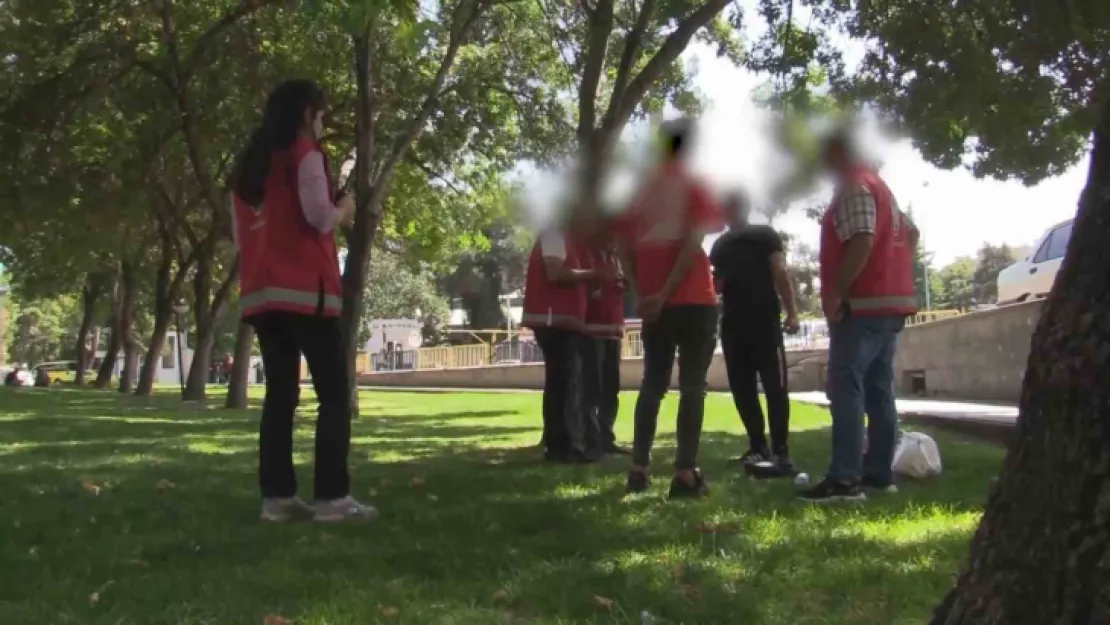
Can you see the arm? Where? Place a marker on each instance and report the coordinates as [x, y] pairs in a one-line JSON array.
[[784, 285], [855, 225], [553, 248], [315, 194], [704, 218]]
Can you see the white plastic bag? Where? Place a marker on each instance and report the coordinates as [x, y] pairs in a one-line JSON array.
[[917, 456]]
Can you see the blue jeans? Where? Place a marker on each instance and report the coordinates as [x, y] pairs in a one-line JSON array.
[[861, 379]]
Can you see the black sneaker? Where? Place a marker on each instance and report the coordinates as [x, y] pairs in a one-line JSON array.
[[638, 482], [750, 457], [830, 491], [871, 483], [680, 489], [776, 466], [616, 450]]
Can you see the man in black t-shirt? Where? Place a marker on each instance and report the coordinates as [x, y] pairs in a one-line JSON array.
[[749, 271]]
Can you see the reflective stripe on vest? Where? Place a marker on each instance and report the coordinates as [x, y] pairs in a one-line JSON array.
[[289, 296], [549, 319], [884, 301]]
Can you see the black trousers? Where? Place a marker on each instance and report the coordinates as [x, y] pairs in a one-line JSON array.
[[283, 337], [601, 372], [752, 351], [563, 426], [692, 332]]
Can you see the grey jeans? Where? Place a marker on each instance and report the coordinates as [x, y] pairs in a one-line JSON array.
[[691, 331]]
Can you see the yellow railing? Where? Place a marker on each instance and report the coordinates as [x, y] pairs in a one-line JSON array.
[[926, 316], [480, 355], [455, 357]]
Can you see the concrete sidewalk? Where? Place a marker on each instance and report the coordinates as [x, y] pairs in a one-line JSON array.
[[993, 421]]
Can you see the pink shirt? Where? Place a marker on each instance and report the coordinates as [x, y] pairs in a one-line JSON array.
[[314, 193]]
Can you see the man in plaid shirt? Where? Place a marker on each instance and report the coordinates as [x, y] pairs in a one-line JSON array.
[[867, 290]]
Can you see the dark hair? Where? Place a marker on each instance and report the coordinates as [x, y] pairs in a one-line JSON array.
[[281, 123], [676, 137]]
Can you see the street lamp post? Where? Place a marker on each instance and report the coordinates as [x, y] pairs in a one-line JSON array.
[[180, 308]]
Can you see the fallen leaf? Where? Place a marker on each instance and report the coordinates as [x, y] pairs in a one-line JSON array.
[[94, 598], [433, 498], [417, 481], [275, 619], [139, 563], [603, 603], [90, 487], [395, 584], [501, 595], [373, 492], [388, 611], [166, 485], [383, 483]]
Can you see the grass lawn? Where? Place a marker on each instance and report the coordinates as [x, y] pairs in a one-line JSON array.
[[123, 511]]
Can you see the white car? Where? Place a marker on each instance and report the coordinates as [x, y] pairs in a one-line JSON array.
[[1032, 276]]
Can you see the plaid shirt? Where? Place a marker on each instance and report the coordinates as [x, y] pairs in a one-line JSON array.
[[855, 213]]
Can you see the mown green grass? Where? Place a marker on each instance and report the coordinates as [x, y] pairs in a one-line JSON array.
[[119, 511]]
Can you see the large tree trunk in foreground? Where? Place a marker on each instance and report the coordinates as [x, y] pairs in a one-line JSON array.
[[367, 214], [240, 368], [1040, 555]]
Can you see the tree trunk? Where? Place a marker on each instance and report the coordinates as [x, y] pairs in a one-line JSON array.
[[367, 214], [1042, 551], [206, 314], [89, 294], [167, 290], [240, 368], [126, 321], [111, 354]]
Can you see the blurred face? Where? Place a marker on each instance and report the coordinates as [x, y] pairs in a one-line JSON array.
[[314, 123], [834, 156], [737, 211]]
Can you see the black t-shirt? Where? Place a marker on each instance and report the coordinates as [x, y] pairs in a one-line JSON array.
[[742, 261]]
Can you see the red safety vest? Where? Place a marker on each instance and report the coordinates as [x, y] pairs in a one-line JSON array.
[[548, 304], [285, 263], [605, 306], [885, 285]]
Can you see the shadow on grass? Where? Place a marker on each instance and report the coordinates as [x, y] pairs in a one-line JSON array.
[[469, 533]]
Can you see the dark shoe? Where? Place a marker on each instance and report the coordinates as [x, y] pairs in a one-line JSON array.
[[830, 491], [871, 483], [638, 482], [617, 450], [680, 489], [776, 466], [750, 457]]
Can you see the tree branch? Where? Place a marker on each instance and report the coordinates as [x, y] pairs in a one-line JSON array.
[[245, 8], [599, 25], [620, 108], [465, 14], [632, 46]]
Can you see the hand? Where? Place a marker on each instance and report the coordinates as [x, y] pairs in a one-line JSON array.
[[833, 307], [650, 307], [346, 206], [790, 325]]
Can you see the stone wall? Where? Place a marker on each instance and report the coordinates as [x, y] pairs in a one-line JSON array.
[[977, 356], [806, 373]]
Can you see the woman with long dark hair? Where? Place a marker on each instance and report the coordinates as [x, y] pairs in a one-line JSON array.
[[284, 211]]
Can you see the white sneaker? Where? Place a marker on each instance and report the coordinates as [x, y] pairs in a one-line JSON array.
[[345, 509], [284, 509]]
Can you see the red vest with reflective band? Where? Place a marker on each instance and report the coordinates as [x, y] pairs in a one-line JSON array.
[[285, 263], [605, 306], [885, 284], [548, 304]]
